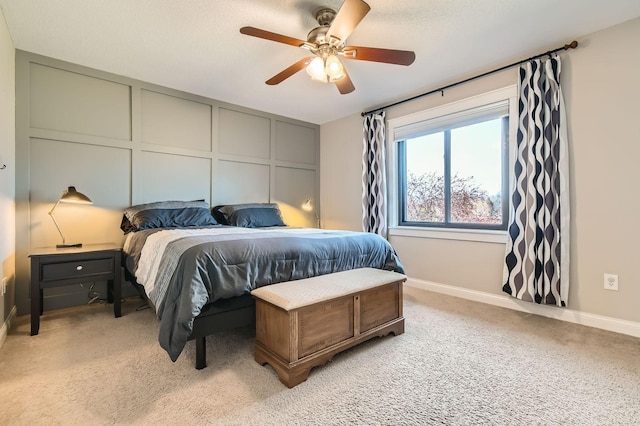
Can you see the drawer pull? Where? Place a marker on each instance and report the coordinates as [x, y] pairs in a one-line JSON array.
[[79, 268]]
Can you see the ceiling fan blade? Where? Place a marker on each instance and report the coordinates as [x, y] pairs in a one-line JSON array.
[[288, 72], [389, 56], [345, 85], [347, 18], [268, 35]]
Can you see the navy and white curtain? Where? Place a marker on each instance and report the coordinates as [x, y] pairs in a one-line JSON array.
[[537, 255], [374, 207]]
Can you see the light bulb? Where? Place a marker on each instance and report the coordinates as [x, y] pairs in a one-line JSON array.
[[316, 69], [334, 68]]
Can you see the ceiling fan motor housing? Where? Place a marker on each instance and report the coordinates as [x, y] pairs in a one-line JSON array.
[[318, 35]]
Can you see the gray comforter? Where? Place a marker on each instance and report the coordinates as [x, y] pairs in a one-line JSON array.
[[195, 270]]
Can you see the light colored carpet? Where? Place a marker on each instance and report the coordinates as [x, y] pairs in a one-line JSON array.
[[458, 363]]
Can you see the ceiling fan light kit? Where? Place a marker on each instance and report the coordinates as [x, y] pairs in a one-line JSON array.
[[327, 42], [326, 68]]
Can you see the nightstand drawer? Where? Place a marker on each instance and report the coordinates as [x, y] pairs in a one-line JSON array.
[[61, 271]]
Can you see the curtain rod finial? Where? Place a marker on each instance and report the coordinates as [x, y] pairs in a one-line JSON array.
[[571, 45]]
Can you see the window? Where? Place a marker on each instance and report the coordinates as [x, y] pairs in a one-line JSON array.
[[451, 167]]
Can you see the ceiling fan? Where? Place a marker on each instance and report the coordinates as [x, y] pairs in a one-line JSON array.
[[327, 42]]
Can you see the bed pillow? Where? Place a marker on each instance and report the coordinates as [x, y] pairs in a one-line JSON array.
[[255, 215], [166, 214]]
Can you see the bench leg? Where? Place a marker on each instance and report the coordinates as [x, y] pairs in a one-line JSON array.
[[289, 376], [201, 353]]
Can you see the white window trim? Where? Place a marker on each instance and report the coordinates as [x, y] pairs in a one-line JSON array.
[[509, 93], [479, 235]]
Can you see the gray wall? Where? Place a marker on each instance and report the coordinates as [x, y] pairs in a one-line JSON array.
[[601, 89], [123, 142], [7, 175]]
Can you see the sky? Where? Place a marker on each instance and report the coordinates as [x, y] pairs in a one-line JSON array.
[[475, 151]]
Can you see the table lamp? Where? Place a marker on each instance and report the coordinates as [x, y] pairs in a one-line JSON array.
[[70, 195]]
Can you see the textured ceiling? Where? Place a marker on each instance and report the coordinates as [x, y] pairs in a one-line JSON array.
[[195, 45]]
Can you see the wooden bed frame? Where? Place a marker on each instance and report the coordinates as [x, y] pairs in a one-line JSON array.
[[221, 315]]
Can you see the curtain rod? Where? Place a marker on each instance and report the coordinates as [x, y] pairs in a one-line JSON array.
[[571, 45]]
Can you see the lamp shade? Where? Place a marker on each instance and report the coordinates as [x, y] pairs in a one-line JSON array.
[[73, 196], [316, 69], [334, 68]]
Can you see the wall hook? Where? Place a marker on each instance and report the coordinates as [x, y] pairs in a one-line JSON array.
[[4, 166]]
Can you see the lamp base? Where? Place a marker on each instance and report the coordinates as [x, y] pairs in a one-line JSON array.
[[68, 245]]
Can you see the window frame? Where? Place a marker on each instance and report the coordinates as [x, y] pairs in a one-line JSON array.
[[440, 117], [447, 223]]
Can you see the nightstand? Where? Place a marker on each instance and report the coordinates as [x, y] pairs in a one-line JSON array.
[[55, 267]]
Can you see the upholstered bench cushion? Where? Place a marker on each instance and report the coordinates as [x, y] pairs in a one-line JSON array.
[[296, 294]]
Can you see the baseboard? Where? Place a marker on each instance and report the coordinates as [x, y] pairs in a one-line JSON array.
[[630, 328], [4, 330]]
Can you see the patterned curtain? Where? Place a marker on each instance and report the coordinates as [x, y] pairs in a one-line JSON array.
[[374, 203], [537, 255]]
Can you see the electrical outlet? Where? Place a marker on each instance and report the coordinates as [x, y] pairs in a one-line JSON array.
[[4, 286], [611, 282]]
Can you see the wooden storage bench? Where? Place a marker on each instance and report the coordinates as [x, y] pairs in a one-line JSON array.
[[302, 324]]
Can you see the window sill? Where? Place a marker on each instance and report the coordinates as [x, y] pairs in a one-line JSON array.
[[478, 235]]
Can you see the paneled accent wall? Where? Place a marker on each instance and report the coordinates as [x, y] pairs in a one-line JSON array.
[[121, 142]]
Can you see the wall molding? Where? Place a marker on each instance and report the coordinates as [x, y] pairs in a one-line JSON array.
[[4, 330], [616, 325], [132, 132]]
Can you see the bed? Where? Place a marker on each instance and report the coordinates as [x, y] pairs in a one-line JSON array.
[[196, 267]]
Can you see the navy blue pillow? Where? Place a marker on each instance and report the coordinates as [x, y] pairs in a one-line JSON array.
[[167, 214], [255, 215], [256, 218]]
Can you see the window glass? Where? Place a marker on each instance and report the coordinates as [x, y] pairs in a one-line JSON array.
[[453, 177], [425, 179], [476, 173]]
